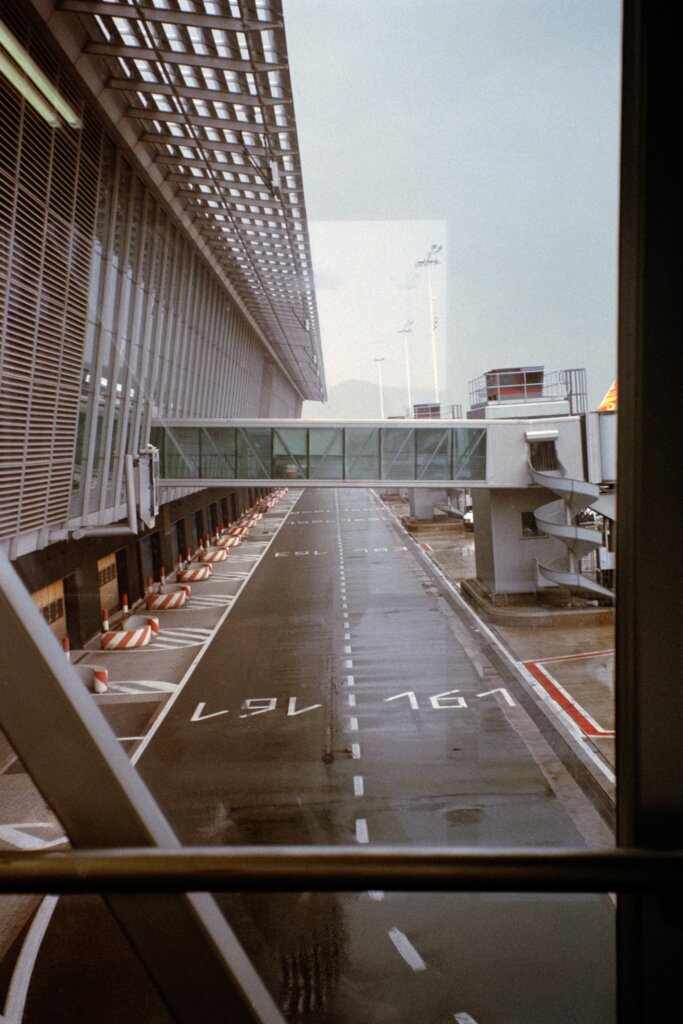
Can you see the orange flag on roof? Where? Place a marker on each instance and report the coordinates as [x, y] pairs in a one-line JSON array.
[[609, 402]]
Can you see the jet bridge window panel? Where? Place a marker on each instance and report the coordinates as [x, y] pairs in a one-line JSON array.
[[290, 453], [326, 453], [362, 453], [433, 454], [254, 453], [398, 454], [218, 452], [469, 453], [181, 453]]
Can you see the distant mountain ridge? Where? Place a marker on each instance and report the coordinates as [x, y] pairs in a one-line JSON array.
[[359, 400]]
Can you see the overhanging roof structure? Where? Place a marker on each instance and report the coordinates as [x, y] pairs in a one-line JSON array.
[[200, 92]]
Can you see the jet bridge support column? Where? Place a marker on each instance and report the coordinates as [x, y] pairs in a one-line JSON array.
[[423, 499]]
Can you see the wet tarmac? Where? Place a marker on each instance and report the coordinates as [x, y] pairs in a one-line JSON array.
[[343, 700]]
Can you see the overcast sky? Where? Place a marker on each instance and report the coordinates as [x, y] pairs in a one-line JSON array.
[[489, 127]]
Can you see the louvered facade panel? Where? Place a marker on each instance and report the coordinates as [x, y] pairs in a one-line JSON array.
[[109, 314], [48, 191]]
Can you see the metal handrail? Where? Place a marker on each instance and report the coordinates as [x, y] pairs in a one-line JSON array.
[[340, 869]]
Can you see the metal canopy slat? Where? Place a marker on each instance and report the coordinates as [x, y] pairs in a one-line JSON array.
[[167, 16], [187, 57], [244, 99], [181, 70]]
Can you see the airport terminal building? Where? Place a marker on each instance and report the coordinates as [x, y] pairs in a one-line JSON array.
[[155, 262]]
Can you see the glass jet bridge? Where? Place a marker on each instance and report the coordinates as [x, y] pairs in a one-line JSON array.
[[364, 453]]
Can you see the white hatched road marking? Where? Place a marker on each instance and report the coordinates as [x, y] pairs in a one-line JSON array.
[[226, 574], [181, 636], [17, 836], [142, 686], [211, 600]]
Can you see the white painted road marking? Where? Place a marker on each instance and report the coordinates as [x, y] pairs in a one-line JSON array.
[[358, 785], [142, 686], [464, 1018], [362, 831], [15, 835], [407, 950], [355, 751], [199, 716], [506, 697]]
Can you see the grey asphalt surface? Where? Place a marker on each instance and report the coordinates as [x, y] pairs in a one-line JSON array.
[[340, 702]]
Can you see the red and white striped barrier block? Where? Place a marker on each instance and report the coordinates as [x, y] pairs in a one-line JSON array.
[[193, 574], [95, 677], [169, 595], [136, 631], [213, 555], [229, 542], [238, 531]]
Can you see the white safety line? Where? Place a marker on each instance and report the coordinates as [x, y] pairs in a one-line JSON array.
[[464, 1018], [407, 950], [358, 785], [353, 724], [355, 751]]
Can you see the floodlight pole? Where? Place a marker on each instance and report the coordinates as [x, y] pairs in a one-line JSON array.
[[379, 362], [406, 331], [429, 261]]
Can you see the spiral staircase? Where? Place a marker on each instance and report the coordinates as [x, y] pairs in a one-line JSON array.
[[558, 519]]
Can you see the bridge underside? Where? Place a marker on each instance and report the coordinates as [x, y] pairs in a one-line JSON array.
[[362, 455]]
